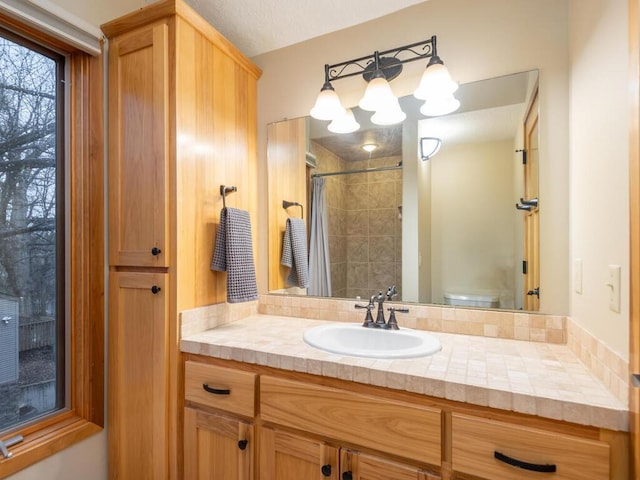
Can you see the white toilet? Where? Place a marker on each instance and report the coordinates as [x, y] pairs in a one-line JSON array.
[[483, 301]]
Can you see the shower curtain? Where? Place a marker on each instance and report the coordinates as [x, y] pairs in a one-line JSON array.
[[319, 269]]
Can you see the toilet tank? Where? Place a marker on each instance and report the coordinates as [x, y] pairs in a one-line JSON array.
[[463, 300]]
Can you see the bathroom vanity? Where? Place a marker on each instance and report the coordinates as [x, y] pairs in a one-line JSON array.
[[284, 410]]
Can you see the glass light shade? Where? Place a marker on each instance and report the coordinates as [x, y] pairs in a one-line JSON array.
[[377, 95], [327, 106], [344, 123], [369, 147], [434, 107], [436, 81], [389, 115], [429, 146]]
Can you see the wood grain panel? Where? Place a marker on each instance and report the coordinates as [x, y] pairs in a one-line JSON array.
[[138, 126], [634, 228], [371, 422], [284, 456], [367, 467], [215, 145], [211, 448], [242, 386], [474, 441], [286, 150], [138, 376]]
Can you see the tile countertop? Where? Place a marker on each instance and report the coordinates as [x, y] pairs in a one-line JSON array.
[[533, 378]]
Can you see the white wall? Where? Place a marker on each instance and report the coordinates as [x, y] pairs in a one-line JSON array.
[[477, 40], [82, 461], [472, 193], [599, 163], [100, 11]]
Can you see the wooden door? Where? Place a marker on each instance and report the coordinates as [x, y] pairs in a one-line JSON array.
[[138, 151], [634, 213], [284, 456], [531, 217], [358, 466], [138, 346], [217, 447]]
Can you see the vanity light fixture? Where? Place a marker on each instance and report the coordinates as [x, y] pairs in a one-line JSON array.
[[429, 146], [436, 87]]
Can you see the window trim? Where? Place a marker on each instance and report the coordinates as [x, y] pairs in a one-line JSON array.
[[84, 414]]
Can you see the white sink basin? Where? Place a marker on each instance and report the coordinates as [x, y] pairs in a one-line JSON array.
[[356, 340]]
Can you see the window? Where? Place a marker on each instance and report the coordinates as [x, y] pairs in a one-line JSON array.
[[51, 244], [31, 231]]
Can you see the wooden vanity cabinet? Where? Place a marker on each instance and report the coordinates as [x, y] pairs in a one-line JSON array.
[[498, 450], [219, 432], [309, 428], [287, 456], [217, 447], [361, 466]]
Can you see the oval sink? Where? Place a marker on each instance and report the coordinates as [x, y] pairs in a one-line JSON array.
[[356, 340]]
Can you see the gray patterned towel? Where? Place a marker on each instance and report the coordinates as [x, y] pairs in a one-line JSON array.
[[294, 252], [233, 253]]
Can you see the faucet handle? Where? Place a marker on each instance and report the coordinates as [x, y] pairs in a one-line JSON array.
[[392, 323], [368, 319]]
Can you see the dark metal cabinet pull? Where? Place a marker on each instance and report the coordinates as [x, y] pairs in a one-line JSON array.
[[242, 444], [155, 251], [155, 289], [216, 391], [347, 475], [532, 467], [326, 470]]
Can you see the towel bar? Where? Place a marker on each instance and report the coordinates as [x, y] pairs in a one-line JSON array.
[[286, 204]]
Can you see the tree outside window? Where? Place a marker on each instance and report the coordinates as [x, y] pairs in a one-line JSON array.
[[31, 233]]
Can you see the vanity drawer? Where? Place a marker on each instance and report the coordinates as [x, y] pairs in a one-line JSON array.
[[476, 442], [378, 423], [222, 388]]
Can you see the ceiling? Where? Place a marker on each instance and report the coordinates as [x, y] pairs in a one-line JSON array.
[[259, 26]]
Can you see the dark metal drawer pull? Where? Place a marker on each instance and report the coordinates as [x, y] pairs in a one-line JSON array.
[[532, 467], [216, 391], [242, 444]]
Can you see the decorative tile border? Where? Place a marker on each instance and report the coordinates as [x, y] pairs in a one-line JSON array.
[[467, 321], [605, 364], [201, 319]]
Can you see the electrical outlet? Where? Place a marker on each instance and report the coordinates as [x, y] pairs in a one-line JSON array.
[[613, 282]]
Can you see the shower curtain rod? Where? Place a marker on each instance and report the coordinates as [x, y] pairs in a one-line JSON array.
[[364, 170]]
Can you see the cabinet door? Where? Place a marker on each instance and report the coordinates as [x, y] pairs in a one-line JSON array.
[[216, 447], [284, 456], [138, 312], [358, 466], [138, 151]]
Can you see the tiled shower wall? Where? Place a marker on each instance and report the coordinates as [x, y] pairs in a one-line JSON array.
[[365, 230]]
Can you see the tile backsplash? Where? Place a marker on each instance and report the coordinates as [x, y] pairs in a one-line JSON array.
[[467, 321]]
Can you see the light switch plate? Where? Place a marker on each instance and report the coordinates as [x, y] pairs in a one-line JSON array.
[[577, 275], [613, 283]]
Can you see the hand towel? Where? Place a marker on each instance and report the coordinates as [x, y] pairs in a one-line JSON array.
[[233, 253], [294, 252]]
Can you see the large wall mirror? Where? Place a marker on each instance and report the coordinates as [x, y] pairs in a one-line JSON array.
[[458, 227]]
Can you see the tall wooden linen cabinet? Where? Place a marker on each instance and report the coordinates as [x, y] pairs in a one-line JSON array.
[[182, 122]]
